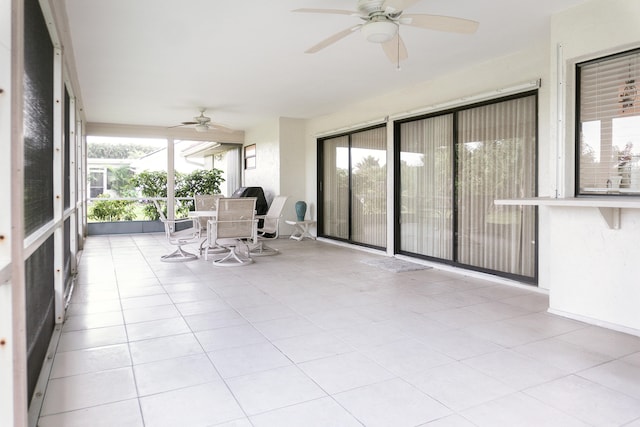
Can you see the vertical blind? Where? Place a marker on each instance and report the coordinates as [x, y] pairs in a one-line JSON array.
[[335, 178], [426, 171], [369, 187], [496, 153], [446, 204], [609, 124], [354, 187]]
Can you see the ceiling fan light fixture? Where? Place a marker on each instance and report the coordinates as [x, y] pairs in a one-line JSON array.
[[379, 31], [201, 128]]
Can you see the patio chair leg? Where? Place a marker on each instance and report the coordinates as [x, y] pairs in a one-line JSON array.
[[234, 259], [179, 255], [263, 250]]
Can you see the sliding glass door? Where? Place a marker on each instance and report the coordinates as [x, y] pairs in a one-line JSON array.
[[426, 196], [496, 160], [353, 187], [450, 169]]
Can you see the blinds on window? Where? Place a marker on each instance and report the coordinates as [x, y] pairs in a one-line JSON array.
[[609, 124]]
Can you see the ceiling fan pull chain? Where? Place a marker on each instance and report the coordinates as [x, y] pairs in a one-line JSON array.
[[398, 50]]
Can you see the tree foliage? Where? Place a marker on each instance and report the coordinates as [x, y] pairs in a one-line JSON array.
[[154, 184], [103, 150]]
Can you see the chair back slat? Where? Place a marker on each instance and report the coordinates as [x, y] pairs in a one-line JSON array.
[[206, 202], [235, 218], [273, 216]]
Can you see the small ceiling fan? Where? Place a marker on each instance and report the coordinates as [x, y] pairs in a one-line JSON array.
[[382, 19], [203, 123]]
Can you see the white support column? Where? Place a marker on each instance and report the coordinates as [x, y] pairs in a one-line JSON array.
[[391, 218], [171, 200], [58, 185]]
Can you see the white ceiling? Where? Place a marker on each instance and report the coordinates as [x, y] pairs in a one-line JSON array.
[[154, 62]]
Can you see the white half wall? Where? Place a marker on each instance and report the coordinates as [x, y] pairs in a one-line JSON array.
[[592, 271]]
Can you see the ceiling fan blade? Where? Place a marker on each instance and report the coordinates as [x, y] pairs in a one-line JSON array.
[[182, 124], [440, 23], [395, 49], [220, 128], [399, 4], [331, 11], [331, 40]]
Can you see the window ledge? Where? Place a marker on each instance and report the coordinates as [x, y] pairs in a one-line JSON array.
[[609, 207]]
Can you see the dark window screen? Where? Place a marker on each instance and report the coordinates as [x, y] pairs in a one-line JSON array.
[[40, 309], [67, 151], [38, 119], [67, 250]]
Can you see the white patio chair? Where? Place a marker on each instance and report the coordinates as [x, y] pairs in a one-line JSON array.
[[270, 229], [235, 227], [178, 236], [205, 202]]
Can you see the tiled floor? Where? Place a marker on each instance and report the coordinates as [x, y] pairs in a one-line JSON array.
[[316, 337]]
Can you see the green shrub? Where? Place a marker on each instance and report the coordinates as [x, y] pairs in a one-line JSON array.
[[154, 184], [111, 210]]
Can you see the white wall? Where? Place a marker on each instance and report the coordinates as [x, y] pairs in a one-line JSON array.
[[266, 137], [293, 166]]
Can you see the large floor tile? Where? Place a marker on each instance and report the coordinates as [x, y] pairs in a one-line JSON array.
[[617, 375], [122, 414], [229, 337], [519, 410], [163, 348], [237, 361], [214, 320], [391, 403], [90, 360], [87, 390], [316, 413], [197, 406], [345, 372], [406, 357], [170, 374], [90, 321], [562, 355], [147, 314], [514, 369], [157, 328], [458, 386], [605, 341], [312, 346], [89, 338], [286, 327], [273, 389], [590, 402]]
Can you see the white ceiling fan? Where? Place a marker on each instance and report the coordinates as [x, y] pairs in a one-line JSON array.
[[382, 19], [203, 123]]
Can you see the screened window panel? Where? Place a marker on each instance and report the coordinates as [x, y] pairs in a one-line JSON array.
[[609, 125], [496, 155], [67, 149], [426, 177], [39, 295], [38, 119], [336, 187], [369, 187]]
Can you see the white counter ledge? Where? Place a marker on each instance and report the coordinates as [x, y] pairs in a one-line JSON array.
[[609, 206]]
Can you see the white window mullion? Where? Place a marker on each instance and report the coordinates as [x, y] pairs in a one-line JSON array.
[[58, 185], [73, 190]]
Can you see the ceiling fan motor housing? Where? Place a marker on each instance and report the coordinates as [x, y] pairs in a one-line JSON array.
[[366, 7]]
